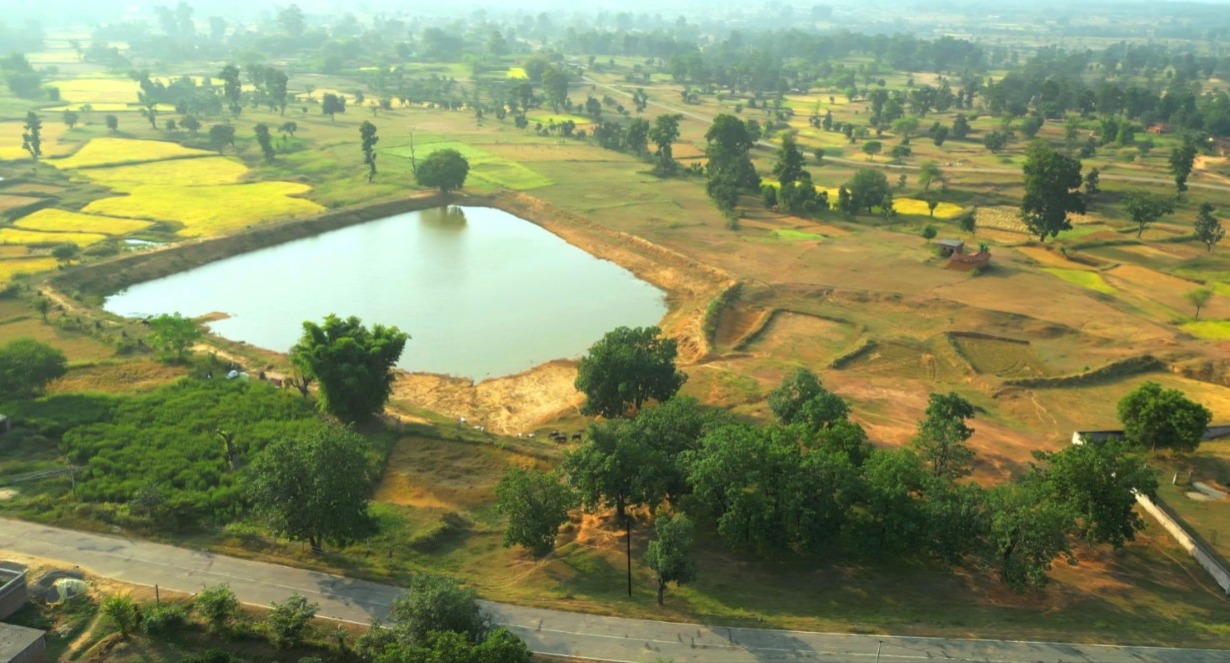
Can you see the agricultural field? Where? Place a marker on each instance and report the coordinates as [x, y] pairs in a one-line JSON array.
[[204, 171], [61, 221], [10, 267], [204, 211], [102, 90], [40, 238], [112, 151]]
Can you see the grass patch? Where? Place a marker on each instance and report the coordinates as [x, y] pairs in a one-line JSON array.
[[113, 151], [1214, 330], [484, 165], [211, 210], [62, 221], [206, 171], [98, 90], [76, 346], [1085, 279]]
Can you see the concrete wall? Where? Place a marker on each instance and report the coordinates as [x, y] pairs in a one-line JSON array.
[[1206, 558], [12, 588], [19, 644]]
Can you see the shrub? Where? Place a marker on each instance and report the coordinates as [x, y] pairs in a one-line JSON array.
[[123, 613], [164, 619], [217, 605], [287, 621]]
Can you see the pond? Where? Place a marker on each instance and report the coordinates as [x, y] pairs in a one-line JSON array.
[[481, 292]]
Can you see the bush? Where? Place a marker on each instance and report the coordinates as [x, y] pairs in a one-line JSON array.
[[164, 619], [123, 613], [212, 656], [287, 621], [217, 605]]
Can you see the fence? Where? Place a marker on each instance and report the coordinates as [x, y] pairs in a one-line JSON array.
[[1205, 556]]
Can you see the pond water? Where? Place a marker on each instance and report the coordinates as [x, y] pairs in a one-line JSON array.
[[481, 292]]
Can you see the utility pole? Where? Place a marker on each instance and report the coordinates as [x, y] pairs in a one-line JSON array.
[[878, 646]]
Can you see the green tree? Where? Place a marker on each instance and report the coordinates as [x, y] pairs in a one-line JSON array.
[[868, 188], [535, 505], [636, 136], [217, 605], [368, 139], [42, 305], [292, 21], [893, 479], [192, 124], [730, 170], [627, 368], [174, 335], [222, 135], [70, 117], [316, 487], [555, 80], [1052, 184], [663, 134], [1198, 298], [1208, 228], [27, 367], [332, 104], [670, 555], [232, 89], [960, 127], [1095, 482], [1027, 533], [1154, 417], [616, 468], [1145, 208], [928, 232], [933, 201], [942, 434], [871, 148], [445, 170], [113, 123], [802, 399], [790, 162], [352, 364], [1092, 181], [123, 612], [995, 141], [288, 620], [1182, 159], [265, 140], [65, 253], [929, 172], [905, 126], [435, 603], [32, 135]]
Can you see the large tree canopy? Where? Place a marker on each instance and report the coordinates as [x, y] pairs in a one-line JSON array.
[[627, 368], [1094, 481], [1154, 417], [1052, 191], [352, 364], [445, 170], [27, 366], [316, 487]]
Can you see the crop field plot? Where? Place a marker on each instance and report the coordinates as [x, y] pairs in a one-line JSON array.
[[211, 210], [1164, 289], [77, 347], [919, 208], [9, 203], [97, 90], [1001, 217], [1098, 401], [12, 267], [491, 168], [53, 57], [905, 361], [517, 73], [802, 338], [10, 140], [39, 238], [558, 118], [32, 188], [1000, 358], [1213, 330], [1048, 258], [114, 151], [13, 251], [1085, 279], [205, 171], [61, 221]]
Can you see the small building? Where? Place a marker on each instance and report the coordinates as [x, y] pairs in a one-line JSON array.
[[19, 644], [969, 261], [950, 247], [13, 593], [1158, 128]]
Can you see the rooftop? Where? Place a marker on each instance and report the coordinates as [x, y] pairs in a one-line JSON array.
[[15, 640]]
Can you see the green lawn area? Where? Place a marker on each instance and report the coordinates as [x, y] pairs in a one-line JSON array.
[[1085, 279]]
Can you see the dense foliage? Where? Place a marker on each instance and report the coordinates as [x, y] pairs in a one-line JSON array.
[[351, 363], [1154, 417], [627, 368], [27, 366]]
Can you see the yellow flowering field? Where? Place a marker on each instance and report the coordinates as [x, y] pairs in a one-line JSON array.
[[205, 171], [919, 207], [518, 73], [110, 151], [98, 90], [10, 139], [211, 210], [58, 220], [34, 237], [8, 268]]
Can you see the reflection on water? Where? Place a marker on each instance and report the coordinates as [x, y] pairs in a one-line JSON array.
[[481, 292]]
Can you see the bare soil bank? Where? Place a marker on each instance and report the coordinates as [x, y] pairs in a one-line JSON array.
[[509, 404]]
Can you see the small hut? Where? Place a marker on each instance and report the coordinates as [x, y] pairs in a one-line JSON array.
[[951, 247]]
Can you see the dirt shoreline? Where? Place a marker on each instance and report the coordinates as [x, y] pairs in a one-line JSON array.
[[508, 404]]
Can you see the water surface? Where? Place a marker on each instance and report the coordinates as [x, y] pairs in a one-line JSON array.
[[481, 292]]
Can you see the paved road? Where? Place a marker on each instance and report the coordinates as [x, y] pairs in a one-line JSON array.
[[546, 631], [1139, 179]]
